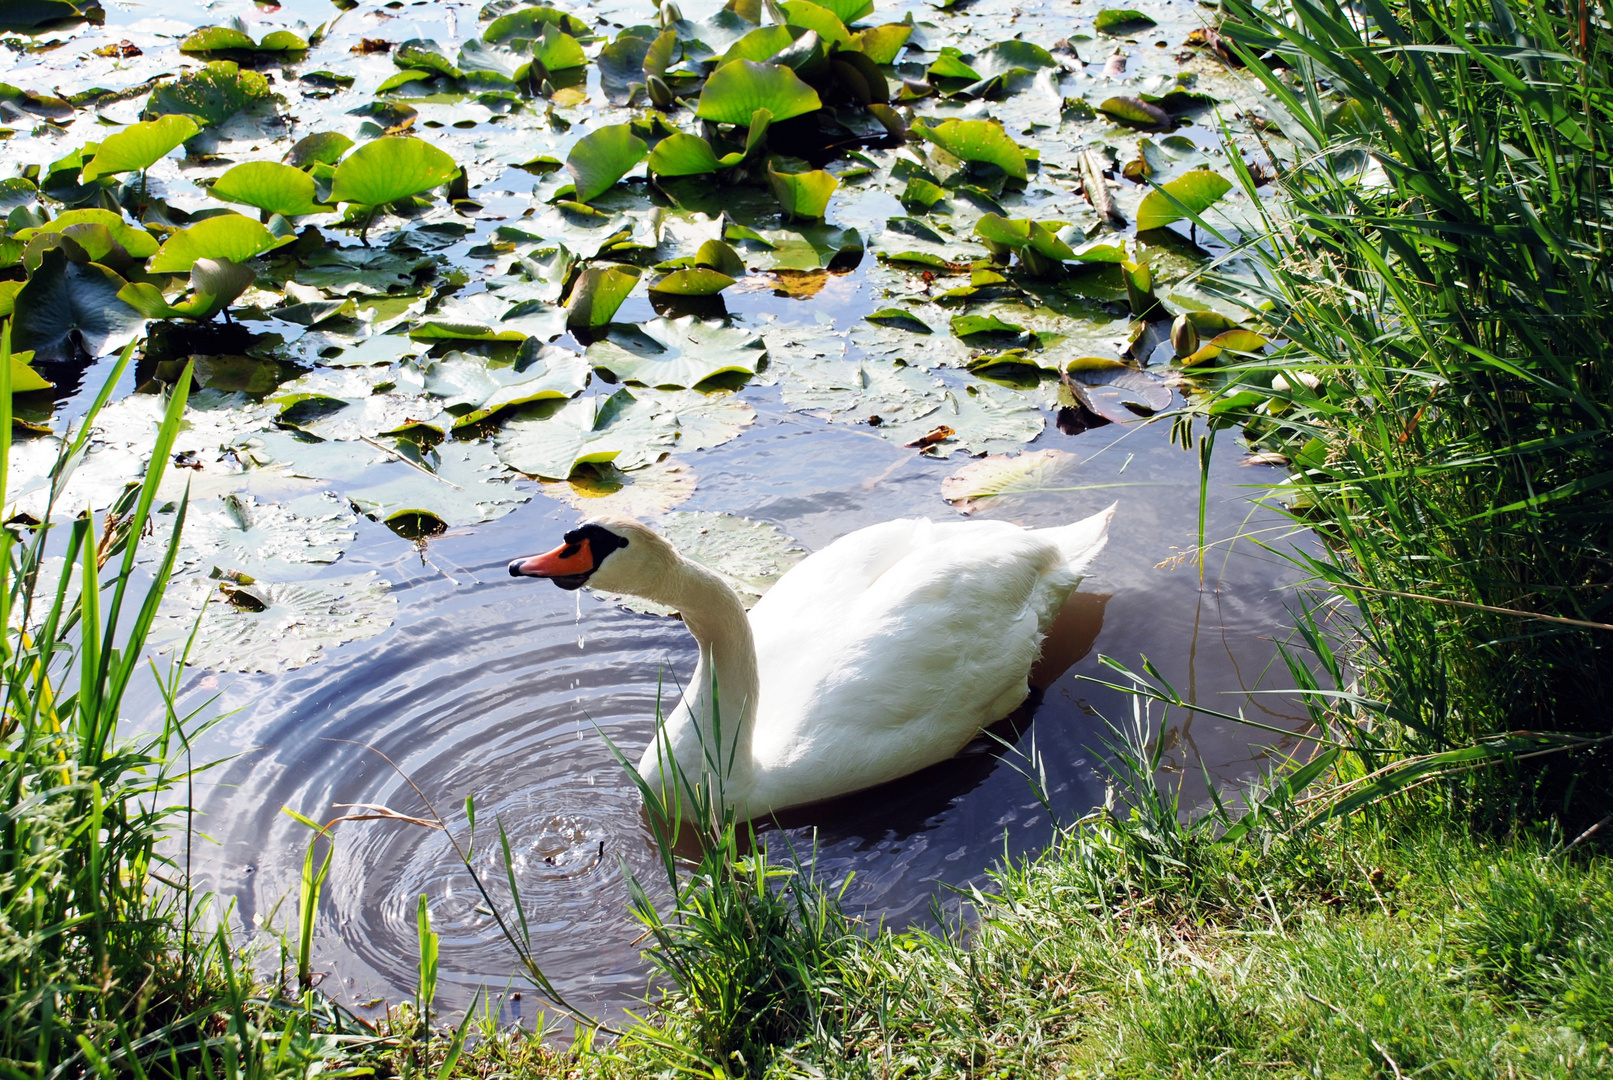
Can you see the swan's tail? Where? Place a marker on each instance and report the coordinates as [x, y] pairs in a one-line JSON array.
[[1083, 540]]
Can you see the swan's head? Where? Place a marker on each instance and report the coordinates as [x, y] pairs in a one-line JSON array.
[[616, 554]]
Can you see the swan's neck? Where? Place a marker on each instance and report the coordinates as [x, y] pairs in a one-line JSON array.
[[722, 724]]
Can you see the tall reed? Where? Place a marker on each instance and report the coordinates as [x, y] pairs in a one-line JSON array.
[[1440, 265]]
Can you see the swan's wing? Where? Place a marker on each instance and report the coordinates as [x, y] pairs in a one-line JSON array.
[[907, 670]]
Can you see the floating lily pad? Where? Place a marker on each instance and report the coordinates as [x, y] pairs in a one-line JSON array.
[[646, 492], [263, 539], [272, 626], [697, 281], [474, 388], [453, 484], [212, 95], [66, 306], [983, 418], [1122, 21], [1136, 113], [590, 430], [676, 352]]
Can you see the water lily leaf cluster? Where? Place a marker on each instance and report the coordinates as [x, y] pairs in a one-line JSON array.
[[422, 283]]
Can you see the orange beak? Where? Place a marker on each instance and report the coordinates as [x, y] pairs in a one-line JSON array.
[[575, 559]]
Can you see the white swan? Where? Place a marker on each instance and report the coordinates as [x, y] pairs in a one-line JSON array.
[[884, 653]]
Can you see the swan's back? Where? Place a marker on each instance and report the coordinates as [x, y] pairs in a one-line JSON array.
[[889, 649]]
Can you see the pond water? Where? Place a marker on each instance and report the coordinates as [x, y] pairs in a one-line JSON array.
[[458, 681]]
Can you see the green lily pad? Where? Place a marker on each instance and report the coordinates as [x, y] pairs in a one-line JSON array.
[[66, 305], [682, 154], [676, 352], [738, 89], [228, 236], [981, 141], [1136, 113], [210, 39], [139, 146], [320, 148], [803, 195], [136, 241], [900, 319], [818, 19], [699, 281], [603, 157], [1122, 21], [389, 169], [598, 293], [530, 22], [1197, 191], [215, 284], [212, 95], [881, 44], [271, 186], [760, 44], [557, 50], [968, 326]]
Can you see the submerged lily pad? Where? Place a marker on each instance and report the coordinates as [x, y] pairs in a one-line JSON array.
[[272, 626], [998, 475], [676, 352]]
